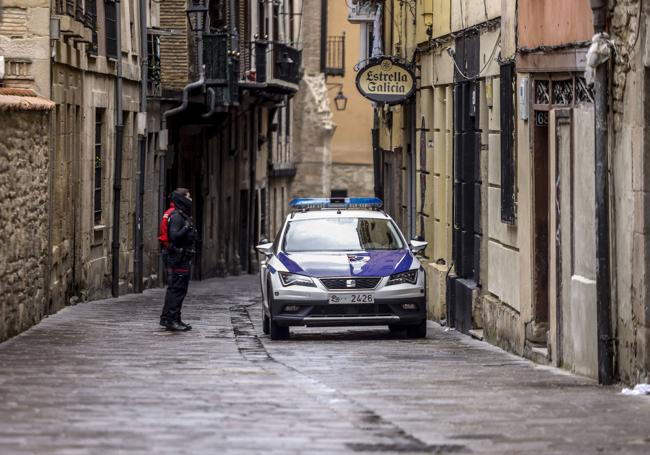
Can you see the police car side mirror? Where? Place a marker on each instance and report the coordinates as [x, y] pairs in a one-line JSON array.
[[265, 248], [417, 246]]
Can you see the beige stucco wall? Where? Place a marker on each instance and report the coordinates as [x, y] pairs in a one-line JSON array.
[[352, 141], [466, 13]]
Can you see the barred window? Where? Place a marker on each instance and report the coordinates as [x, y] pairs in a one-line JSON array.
[[99, 165]]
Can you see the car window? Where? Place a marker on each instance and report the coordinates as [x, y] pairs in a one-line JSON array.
[[341, 234]]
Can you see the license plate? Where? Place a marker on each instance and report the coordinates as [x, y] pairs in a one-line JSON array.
[[352, 298]]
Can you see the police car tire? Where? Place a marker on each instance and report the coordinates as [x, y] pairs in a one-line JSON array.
[[278, 332], [275, 331], [265, 322], [417, 330]]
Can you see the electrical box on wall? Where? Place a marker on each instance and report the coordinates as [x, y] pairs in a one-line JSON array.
[[523, 98]]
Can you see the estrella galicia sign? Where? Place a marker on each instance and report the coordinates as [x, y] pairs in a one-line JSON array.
[[385, 80]]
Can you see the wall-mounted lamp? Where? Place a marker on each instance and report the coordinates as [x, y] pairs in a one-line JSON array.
[[340, 100], [196, 15]]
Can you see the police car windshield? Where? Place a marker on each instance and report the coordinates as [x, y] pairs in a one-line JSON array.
[[341, 234]]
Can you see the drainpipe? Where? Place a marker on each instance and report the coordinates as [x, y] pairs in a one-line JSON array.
[[376, 155], [138, 265], [117, 173], [603, 285]]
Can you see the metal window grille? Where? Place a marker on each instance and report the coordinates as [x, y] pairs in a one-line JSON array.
[[335, 56], [153, 65], [99, 165], [110, 13]]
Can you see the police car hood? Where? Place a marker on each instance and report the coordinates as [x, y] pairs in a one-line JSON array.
[[343, 264]]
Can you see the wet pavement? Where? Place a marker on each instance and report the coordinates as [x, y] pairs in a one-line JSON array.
[[104, 378]]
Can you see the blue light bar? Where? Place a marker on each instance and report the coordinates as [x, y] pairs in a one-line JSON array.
[[336, 203]]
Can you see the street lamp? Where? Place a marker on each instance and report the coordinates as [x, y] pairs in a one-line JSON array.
[[196, 15], [341, 101]]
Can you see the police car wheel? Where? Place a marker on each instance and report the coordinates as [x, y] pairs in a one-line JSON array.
[[277, 332], [265, 322], [417, 330]]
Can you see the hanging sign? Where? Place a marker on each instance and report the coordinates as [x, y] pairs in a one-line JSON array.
[[384, 80]]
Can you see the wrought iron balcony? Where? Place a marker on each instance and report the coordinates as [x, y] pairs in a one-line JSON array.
[[253, 64], [221, 67], [334, 61]]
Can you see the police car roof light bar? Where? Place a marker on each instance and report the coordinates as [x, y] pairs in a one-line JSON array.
[[336, 203]]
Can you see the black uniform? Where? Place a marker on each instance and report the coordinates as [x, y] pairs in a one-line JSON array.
[[182, 238]]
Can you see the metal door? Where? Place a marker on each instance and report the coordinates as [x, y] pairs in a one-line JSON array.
[[467, 184]]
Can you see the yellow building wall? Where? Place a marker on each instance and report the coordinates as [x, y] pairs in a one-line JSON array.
[[441, 17], [466, 13], [352, 141]]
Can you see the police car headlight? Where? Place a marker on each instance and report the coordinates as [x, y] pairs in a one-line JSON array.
[[410, 277], [293, 279]]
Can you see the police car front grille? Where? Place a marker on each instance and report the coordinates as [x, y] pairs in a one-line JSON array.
[[342, 283]]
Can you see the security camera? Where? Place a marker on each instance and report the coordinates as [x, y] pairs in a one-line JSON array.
[[451, 52]]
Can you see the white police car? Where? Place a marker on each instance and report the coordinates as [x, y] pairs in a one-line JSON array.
[[342, 262]]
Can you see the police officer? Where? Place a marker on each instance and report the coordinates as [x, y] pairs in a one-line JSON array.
[[182, 237]]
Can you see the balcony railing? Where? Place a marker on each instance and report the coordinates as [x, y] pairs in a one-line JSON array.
[[334, 64], [253, 62], [286, 63], [221, 67], [276, 65]]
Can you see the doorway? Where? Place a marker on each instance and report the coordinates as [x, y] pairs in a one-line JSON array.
[[467, 185]]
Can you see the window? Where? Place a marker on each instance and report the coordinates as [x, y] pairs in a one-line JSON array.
[[367, 39], [335, 56], [110, 13], [153, 65], [99, 166], [341, 234], [508, 196], [91, 21]]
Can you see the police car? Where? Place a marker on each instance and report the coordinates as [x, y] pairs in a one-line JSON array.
[[342, 262]]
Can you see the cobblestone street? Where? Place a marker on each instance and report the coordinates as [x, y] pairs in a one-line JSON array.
[[103, 378]]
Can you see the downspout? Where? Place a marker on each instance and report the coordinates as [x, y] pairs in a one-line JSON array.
[[138, 264], [376, 155], [117, 173], [603, 285]]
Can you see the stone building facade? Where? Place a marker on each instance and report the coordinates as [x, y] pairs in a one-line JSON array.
[[68, 52], [492, 162], [24, 181]]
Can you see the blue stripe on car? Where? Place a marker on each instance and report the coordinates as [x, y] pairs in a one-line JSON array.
[[289, 264]]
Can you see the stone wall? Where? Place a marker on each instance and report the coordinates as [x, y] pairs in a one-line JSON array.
[[24, 219], [630, 189], [357, 179], [313, 130]]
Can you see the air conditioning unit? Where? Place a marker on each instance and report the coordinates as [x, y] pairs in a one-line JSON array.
[[362, 11]]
